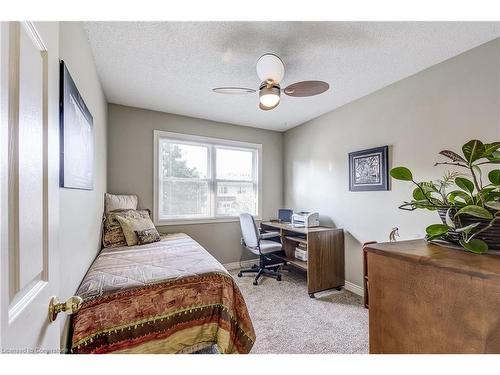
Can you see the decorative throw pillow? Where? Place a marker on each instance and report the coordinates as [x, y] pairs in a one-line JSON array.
[[112, 221], [112, 235], [147, 236], [115, 202], [130, 225], [113, 238]]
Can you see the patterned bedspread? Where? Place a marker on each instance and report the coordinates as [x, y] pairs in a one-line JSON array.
[[170, 296]]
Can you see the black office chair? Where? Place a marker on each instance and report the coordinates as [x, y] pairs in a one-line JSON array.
[[259, 244]]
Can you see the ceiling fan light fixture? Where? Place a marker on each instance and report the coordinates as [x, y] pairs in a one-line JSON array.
[[269, 96], [271, 71]]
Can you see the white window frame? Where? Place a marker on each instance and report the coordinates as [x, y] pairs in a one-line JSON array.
[[212, 142]]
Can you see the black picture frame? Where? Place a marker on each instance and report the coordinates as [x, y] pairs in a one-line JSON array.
[[369, 169], [76, 165]]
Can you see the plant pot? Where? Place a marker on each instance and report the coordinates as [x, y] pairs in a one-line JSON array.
[[490, 236]]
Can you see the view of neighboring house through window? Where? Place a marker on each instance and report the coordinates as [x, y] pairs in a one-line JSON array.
[[235, 186], [203, 178]]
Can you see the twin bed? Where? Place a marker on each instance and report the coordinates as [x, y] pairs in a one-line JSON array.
[[169, 296]]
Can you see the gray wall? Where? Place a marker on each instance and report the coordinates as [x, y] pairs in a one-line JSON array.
[[130, 168], [81, 210], [441, 107]]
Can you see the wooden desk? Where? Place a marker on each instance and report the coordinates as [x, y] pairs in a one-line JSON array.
[[425, 298], [325, 246]]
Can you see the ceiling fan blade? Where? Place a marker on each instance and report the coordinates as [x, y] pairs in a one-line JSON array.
[[270, 66], [264, 108], [306, 88], [233, 90]]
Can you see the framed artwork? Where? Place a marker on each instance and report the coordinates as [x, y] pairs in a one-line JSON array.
[[369, 169], [76, 136]]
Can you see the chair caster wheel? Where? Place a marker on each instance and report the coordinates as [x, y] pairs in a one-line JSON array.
[[278, 278], [240, 274], [311, 295], [255, 283]]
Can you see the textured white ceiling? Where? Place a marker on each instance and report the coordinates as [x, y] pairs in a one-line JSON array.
[[172, 66]]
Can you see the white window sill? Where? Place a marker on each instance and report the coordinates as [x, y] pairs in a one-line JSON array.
[[231, 219]]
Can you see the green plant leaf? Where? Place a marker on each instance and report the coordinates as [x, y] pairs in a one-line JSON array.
[[467, 228], [436, 201], [475, 246], [470, 201], [449, 219], [401, 173], [452, 196], [418, 195], [423, 204], [453, 156], [490, 195], [475, 211], [429, 186], [493, 205], [490, 189], [494, 158], [494, 176], [464, 184], [473, 150], [490, 148], [425, 191], [436, 230]]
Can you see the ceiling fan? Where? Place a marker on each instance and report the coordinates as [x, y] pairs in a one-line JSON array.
[[271, 70]]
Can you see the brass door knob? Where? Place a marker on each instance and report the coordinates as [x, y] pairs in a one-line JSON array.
[[71, 306]]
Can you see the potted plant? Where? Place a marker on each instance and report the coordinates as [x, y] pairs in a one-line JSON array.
[[467, 200]]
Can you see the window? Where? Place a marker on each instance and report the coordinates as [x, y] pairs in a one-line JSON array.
[[204, 179]]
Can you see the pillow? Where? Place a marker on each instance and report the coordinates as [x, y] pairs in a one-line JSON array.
[[131, 224], [147, 236], [112, 221], [112, 235], [113, 238], [114, 202]]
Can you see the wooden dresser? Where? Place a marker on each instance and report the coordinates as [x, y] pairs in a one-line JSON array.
[[425, 298]]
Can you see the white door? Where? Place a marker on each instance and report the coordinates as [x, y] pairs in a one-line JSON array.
[[29, 204]]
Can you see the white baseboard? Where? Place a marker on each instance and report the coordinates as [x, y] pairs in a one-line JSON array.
[[356, 289], [243, 264]]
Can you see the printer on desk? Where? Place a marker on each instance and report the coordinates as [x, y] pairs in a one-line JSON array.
[[305, 219]]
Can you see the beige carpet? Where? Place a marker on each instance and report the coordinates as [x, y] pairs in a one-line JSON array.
[[286, 320]]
